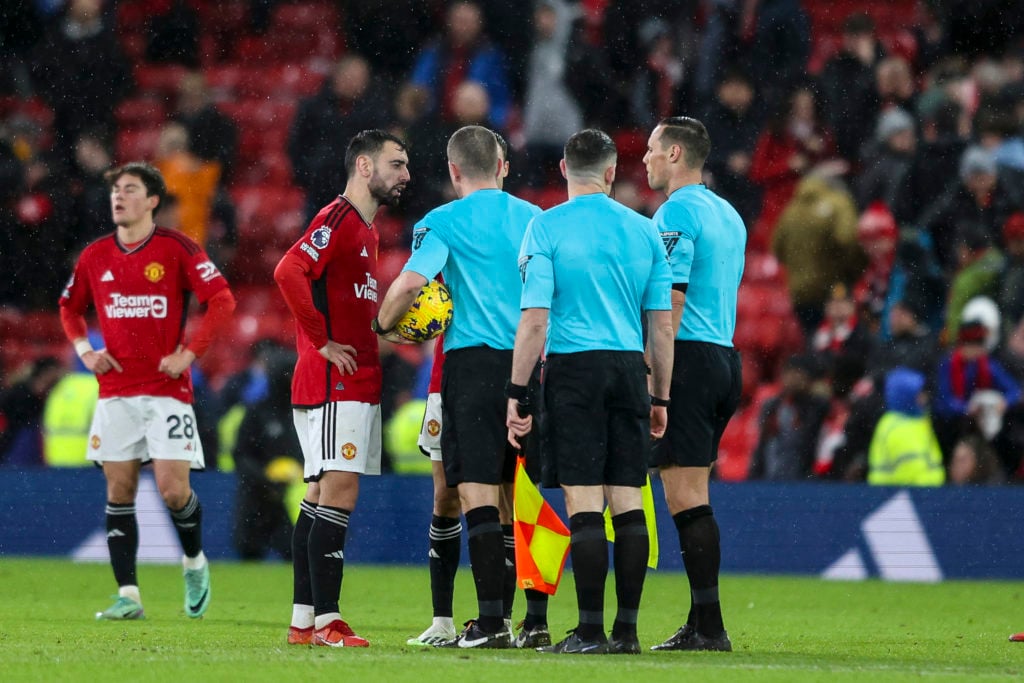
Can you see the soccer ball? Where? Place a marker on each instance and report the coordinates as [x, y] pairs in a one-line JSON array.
[[428, 316]]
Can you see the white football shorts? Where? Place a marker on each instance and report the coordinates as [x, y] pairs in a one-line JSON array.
[[341, 436], [429, 439], [144, 428]]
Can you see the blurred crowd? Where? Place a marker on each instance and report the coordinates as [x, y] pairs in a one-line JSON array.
[[875, 153]]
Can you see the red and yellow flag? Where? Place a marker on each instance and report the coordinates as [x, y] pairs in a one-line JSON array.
[[542, 539]]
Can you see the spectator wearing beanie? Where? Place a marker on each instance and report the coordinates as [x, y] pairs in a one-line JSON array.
[[888, 159], [877, 234], [981, 197]]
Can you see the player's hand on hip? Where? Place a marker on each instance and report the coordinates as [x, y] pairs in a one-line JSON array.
[[342, 355], [100, 362], [659, 421], [518, 425], [174, 364]]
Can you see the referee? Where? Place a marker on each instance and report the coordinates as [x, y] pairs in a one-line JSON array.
[[705, 240], [473, 242], [590, 268]]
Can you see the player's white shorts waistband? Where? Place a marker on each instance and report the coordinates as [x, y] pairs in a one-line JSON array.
[[429, 439], [144, 428], [342, 436]]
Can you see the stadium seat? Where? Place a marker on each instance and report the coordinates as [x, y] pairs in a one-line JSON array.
[[223, 81], [136, 144], [737, 445], [159, 80], [389, 264], [138, 112], [309, 16]]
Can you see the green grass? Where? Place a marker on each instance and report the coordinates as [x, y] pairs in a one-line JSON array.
[[783, 629]]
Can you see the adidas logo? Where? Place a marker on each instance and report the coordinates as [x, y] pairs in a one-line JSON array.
[[894, 546], [115, 533], [363, 252], [337, 554], [433, 554], [107, 277]]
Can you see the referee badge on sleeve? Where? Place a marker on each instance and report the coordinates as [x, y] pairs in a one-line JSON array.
[[524, 261]]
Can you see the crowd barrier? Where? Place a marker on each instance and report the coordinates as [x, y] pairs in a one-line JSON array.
[[841, 531]]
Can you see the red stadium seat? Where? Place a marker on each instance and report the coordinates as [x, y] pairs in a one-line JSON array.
[[159, 80], [737, 445], [140, 111], [389, 264], [310, 16], [136, 144]]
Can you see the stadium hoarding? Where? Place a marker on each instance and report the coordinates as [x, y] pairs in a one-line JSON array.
[[841, 531]]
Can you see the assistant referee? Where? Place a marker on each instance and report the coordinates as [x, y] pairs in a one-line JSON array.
[[590, 268], [705, 240]]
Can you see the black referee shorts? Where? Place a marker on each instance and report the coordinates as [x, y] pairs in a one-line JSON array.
[[474, 443], [706, 388], [597, 422]]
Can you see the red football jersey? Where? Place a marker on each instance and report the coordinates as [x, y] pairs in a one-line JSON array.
[[435, 370], [141, 298], [340, 249]]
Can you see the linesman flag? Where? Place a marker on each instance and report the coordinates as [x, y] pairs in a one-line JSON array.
[[542, 540], [652, 524]]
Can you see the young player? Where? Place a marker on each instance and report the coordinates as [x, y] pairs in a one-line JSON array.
[[139, 280]]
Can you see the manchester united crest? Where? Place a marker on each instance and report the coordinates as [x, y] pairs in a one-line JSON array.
[[348, 451], [94, 442], [433, 427], [154, 272]]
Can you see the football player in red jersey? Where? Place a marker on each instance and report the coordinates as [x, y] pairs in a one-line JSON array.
[[329, 280], [139, 279]]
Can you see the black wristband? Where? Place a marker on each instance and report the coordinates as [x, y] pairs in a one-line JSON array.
[[518, 392], [660, 402], [375, 326]]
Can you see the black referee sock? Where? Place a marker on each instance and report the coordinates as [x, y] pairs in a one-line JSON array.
[[589, 550], [327, 557], [536, 609], [487, 557], [702, 555], [445, 549], [632, 547], [509, 589], [188, 521], [302, 587], [123, 542]]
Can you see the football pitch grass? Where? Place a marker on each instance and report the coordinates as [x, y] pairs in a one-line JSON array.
[[782, 628]]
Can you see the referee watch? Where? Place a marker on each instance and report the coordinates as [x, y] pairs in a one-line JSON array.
[[659, 402], [375, 326]]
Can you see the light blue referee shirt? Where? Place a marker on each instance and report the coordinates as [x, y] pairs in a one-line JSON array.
[[474, 243], [705, 239], [596, 265]]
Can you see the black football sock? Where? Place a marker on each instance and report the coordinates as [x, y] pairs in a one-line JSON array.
[[123, 542], [487, 557], [188, 521], [302, 586], [589, 550], [327, 557], [702, 555], [632, 547], [445, 549], [509, 589], [536, 609]]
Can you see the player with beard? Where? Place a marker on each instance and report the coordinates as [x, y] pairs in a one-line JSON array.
[[329, 280]]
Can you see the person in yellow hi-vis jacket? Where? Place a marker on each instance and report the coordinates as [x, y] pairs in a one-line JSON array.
[[67, 416], [904, 450]]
